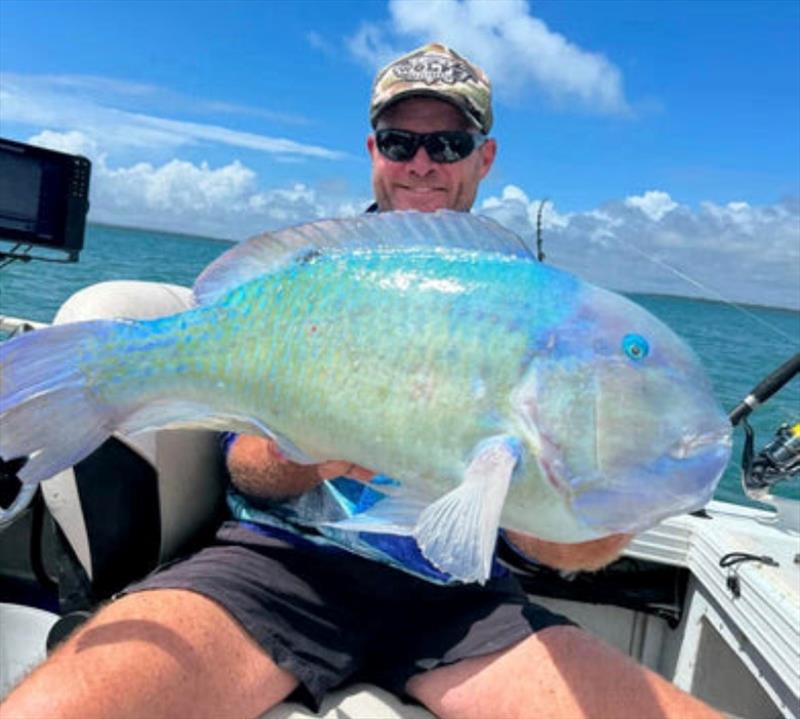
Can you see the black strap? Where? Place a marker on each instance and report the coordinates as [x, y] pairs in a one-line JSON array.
[[74, 587], [119, 498]]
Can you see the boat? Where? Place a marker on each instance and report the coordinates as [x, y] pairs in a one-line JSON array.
[[710, 601]]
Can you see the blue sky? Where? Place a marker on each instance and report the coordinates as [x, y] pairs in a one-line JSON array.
[[661, 130]]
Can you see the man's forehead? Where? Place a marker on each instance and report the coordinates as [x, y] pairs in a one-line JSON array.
[[427, 109]]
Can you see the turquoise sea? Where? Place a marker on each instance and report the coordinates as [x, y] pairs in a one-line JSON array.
[[739, 347]]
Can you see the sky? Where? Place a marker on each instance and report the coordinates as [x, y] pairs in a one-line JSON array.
[[665, 136]]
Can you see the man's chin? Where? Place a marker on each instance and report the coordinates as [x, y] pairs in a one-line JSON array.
[[424, 201]]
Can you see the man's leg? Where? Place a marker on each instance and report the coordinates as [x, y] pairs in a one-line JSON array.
[[558, 673], [160, 653]]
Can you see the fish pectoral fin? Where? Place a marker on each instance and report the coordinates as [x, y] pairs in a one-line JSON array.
[[458, 532], [396, 515], [193, 415]]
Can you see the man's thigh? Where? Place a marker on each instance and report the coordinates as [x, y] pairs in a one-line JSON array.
[[560, 672], [160, 653]]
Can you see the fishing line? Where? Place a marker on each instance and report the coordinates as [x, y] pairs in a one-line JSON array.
[[705, 288], [6, 258]]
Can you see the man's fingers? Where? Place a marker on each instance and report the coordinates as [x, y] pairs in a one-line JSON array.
[[339, 468], [359, 473]]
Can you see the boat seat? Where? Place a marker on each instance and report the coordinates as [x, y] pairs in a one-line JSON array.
[[140, 501], [137, 501]]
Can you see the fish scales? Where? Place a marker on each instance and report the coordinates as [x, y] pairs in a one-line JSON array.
[[391, 366], [424, 354], [354, 343]]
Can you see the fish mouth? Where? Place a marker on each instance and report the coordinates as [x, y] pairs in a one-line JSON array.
[[692, 445], [683, 479], [560, 485]]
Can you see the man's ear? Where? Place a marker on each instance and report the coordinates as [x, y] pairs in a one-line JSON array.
[[488, 152], [371, 144]]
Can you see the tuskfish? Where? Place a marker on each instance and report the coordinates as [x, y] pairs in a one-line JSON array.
[[432, 348]]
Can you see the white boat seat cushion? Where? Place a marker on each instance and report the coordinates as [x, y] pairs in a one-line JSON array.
[[189, 485]]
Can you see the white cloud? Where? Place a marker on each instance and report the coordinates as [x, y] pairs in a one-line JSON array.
[[647, 243], [177, 186], [180, 196], [72, 142], [66, 103], [113, 92], [516, 49], [654, 204], [651, 243], [320, 43]]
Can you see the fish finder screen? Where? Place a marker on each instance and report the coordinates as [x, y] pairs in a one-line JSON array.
[[20, 187], [43, 196]]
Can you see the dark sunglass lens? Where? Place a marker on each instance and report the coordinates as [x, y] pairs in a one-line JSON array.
[[449, 146], [396, 146]]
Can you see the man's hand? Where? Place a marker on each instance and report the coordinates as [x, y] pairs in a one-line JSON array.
[[590, 556], [258, 468], [339, 468]]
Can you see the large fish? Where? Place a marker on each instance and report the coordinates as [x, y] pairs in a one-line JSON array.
[[496, 390]]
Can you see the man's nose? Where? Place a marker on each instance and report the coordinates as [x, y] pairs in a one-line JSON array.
[[421, 164]]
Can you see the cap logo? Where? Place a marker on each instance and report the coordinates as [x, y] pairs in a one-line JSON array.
[[431, 70]]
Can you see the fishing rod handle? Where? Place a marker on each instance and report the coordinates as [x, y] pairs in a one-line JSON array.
[[766, 388]]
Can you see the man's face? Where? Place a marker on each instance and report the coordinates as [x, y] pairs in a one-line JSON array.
[[421, 184]]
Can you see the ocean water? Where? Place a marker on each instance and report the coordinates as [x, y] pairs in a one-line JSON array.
[[739, 347]]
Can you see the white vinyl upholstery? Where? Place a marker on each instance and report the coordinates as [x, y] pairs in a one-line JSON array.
[[189, 485], [358, 701]]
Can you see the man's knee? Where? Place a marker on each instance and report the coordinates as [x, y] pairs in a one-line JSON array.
[[559, 671], [154, 653]]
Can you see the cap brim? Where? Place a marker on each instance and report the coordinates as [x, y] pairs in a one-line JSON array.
[[421, 92]]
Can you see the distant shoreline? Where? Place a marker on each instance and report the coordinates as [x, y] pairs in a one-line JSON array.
[[708, 300], [171, 233]]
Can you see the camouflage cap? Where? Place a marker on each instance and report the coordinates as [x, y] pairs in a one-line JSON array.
[[435, 71]]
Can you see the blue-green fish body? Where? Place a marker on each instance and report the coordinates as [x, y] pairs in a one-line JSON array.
[[433, 349]]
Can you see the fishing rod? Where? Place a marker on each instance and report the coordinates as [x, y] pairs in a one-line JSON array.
[[539, 240], [779, 460], [765, 389]]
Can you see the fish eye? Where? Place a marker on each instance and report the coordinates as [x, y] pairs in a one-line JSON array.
[[635, 346]]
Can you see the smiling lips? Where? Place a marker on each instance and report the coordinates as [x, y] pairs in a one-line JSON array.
[[420, 190]]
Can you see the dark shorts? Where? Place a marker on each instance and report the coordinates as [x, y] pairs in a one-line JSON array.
[[328, 616]]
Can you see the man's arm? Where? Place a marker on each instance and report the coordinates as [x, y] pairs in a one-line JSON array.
[[258, 468], [589, 556]]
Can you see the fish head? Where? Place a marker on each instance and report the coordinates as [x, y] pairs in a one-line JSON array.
[[621, 419]]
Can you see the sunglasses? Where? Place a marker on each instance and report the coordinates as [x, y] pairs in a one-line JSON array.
[[444, 146]]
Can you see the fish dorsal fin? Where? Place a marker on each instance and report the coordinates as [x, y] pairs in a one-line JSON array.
[[272, 251]]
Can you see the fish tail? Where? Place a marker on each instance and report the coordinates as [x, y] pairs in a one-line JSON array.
[[47, 412]]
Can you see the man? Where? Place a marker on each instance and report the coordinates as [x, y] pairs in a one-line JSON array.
[[275, 606]]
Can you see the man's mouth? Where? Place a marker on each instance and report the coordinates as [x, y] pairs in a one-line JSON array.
[[420, 190]]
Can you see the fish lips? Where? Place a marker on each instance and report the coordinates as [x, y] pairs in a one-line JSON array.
[[681, 480]]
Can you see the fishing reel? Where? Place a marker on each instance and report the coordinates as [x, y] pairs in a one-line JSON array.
[[779, 460]]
